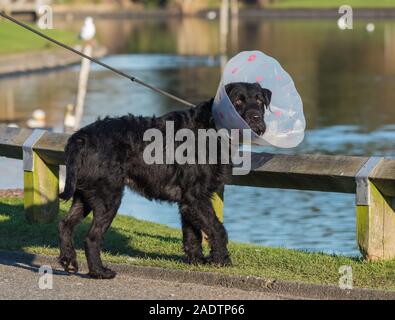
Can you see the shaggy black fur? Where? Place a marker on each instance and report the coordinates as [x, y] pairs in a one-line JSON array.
[[105, 156]]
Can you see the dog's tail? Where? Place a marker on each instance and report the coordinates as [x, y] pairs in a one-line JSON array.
[[73, 152]]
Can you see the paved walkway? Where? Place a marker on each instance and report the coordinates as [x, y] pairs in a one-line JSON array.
[[22, 282], [20, 279]]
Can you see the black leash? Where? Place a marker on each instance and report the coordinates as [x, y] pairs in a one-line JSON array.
[[133, 79]]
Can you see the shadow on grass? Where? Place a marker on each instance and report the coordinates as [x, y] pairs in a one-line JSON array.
[[158, 237], [16, 234]]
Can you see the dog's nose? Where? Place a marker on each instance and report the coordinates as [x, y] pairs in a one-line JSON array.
[[255, 115]]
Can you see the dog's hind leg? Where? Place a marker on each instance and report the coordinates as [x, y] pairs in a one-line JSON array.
[[218, 238], [104, 211], [78, 211], [192, 241]]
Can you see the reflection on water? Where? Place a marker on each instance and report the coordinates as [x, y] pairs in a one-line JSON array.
[[346, 80]]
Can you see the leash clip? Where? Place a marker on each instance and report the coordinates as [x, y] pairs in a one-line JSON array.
[[362, 195], [27, 149]]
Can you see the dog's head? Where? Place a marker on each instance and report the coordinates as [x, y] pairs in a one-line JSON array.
[[251, 101]]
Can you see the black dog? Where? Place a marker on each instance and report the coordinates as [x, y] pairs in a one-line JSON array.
[[105, 156]]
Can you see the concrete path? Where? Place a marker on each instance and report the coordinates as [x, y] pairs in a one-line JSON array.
[[20, 278], [23, 282]]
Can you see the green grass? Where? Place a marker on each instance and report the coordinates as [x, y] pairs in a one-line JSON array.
[[291, 4], [14, 39], [142, 243]]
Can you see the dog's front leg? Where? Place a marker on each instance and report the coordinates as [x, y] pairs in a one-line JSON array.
[[201, 215], [192, 240], [217, 236]]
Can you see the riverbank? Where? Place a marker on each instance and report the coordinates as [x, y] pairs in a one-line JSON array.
[[14, 39], [22, 63], [144, 244], [23, 52]]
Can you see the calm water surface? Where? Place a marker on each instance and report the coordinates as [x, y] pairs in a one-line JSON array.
[[346, 80]]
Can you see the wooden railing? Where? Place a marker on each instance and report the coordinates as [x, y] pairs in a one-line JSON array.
[[374, 191], [23, 6]]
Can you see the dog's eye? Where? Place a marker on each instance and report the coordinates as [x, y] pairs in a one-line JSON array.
[[238, 102], [260, 101]]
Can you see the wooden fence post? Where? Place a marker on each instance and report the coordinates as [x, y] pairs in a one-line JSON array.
[[375, 215], [218, 206], [41, 184], [376, 226]]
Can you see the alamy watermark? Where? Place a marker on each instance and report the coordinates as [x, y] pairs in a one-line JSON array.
[[208, 146], [45, 282], [346, 279], [45, 14], [346, 20]]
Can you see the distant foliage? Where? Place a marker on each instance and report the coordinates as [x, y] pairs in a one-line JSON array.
[[164, 3], [209, 3], [157, 3]]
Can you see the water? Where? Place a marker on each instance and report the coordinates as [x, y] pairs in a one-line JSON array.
[[346, 80]]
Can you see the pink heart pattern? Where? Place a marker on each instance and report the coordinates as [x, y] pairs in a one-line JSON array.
[[251, 57]]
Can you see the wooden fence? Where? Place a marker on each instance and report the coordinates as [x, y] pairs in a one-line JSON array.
[[371, 179], [23, 6]]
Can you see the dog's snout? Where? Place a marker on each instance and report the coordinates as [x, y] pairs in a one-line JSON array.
[[255, 115], [256, 121]]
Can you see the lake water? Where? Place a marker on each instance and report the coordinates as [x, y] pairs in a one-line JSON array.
[[346, 80]]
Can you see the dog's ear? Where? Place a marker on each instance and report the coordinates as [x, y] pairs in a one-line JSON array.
[[229, 87], [267, 94]]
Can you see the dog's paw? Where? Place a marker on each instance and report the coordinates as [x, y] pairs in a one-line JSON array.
[[219, 261], [69, 264], [105, 273], [195, 260]]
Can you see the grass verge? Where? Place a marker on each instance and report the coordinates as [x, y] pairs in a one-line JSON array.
[[15, 39], [143, 243]]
